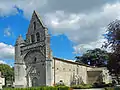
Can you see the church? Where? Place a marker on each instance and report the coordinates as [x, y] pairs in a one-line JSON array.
[[36, 66]]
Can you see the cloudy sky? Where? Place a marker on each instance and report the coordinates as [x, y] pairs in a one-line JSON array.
[[75, 25]]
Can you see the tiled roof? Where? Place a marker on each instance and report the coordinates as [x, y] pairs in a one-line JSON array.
[[68, 61]]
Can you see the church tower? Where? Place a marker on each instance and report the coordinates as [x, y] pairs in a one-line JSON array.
[[33, 59]]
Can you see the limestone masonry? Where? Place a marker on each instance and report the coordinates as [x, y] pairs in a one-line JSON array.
[[2, 81], [35, 65]]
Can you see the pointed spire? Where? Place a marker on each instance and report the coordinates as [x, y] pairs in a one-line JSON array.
[[20, 40], [35, 16], [39, 18]]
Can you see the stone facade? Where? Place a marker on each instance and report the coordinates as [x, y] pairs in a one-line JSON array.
[[32, 56], [35, 65], [72, 73], [2, 81]]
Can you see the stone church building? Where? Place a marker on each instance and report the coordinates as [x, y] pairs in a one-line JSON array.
[[36, 66]]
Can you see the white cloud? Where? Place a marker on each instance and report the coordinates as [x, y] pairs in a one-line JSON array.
[[6, 51], [81, 22], [7, 32], [82, 48], [7, 8], [84, 29], [10, 7], [2, 62]]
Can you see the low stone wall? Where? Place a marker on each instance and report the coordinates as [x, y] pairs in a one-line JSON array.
[[90, 89]]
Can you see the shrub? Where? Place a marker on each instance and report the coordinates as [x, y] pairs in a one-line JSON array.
[[110, 85], [40, 88], [112, 88], [101, 85], [63, 88], [82, 86]]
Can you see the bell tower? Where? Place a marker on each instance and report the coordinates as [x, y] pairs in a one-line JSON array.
[[35, 54], [36, 30]]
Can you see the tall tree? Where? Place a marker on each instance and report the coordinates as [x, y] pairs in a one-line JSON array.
[[96, 57], [7, 72], [113, 42]]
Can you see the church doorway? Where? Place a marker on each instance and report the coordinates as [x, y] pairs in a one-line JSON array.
[[35, 82]]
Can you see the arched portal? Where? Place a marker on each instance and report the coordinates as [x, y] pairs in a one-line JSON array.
[[33, 68], [35, 82]]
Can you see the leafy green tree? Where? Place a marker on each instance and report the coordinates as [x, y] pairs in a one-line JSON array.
[[113, 42], [96, 57], [114, 66], [7, 72]]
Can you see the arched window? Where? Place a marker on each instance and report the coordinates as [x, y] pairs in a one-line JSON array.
[[35, 82], [38, 37], [35, 59], [34, 25], [32, 38]]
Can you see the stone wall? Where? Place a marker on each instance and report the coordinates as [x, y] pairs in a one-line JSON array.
[[2, 81], [69, 72]]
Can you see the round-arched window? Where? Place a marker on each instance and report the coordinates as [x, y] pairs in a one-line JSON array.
[[35, 59], [35, 82], [38, 36]]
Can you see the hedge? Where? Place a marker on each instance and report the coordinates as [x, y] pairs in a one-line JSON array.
[[112, 88], [82, 86], [40, 88], [88, 86]]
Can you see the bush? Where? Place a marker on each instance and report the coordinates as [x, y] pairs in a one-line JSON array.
[[40, 88], [101, 85], [112, 88], [63, 88], [110, 85], [95, 85], [82, 86]]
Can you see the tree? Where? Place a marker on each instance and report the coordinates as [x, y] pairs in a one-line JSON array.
[[113, 65], [96, 57], [113, 36], [7, 72], [113, 42]]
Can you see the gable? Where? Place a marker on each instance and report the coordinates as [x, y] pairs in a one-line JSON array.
[[37, 30], [35, 23]]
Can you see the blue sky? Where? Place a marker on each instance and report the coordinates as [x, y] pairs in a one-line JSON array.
[[12, 26], [75, 26]]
